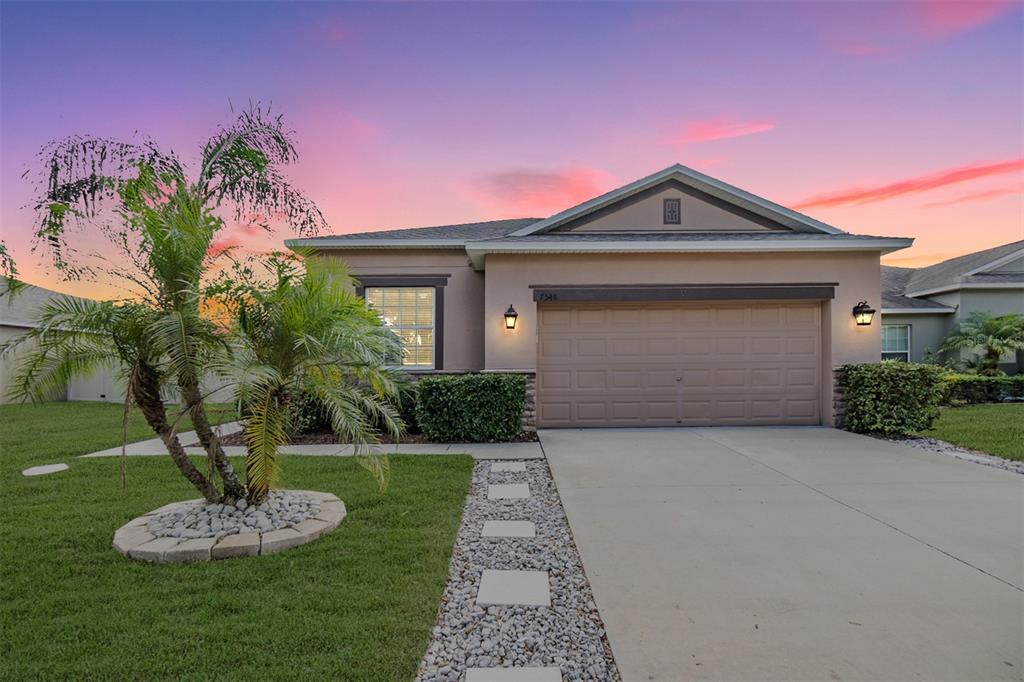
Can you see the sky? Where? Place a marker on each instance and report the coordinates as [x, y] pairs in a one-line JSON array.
[[884, 118]]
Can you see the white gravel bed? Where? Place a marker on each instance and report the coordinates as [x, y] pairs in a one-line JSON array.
[[280, 509], [941, 447], [569, 634]]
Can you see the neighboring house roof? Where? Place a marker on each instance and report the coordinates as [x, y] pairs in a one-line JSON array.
[[968, 271], [21, 308], [904, 289], [796, 232], [894, 283]]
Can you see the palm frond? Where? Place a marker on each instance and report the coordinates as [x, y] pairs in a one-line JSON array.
[[265, 432]]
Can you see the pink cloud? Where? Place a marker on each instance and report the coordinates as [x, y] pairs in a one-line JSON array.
[[983, 195], [921, 183], [222, 244], [940, 18], [538, 193], [718, 129]]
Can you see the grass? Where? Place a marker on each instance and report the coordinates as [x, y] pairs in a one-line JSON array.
[[51, 432], [997, 429], [357, 604]]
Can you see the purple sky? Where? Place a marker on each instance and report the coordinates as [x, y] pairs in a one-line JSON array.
[[881, 118]]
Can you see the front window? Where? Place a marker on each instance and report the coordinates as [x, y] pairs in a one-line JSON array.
[[896, 342], [409, 312]]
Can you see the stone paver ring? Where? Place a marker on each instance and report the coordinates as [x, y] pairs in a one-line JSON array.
[[135, 540]]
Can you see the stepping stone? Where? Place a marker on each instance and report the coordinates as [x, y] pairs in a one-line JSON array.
[[509, 529], [508, 491], [513, 675], [516, 467], [514, 588], [44, 469]]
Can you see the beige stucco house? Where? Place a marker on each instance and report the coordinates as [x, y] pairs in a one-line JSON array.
[[920, 306], [675, 300]]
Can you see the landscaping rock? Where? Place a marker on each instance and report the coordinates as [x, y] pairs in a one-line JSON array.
[[517, 641], [281, 509], [941, 447]]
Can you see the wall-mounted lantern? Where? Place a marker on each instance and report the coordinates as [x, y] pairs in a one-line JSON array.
[[510, 317], [863, 313]]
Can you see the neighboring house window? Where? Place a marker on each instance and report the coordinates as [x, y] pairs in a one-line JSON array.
[[673, 212], [409, 312], [896, 342]]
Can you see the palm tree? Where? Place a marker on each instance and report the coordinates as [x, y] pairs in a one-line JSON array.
[[76, 336], [309, 332], [993, 335], [140, 200]]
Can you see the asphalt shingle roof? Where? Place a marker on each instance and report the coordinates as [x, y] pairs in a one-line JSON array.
[[894, 284], [499, 230], [952, 271], [490, 229]]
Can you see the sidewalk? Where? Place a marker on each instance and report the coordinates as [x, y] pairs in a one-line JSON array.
[[155, 447]]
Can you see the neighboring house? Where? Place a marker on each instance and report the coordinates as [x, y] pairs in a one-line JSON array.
[[18, 313], [675, 300], [920, 306]]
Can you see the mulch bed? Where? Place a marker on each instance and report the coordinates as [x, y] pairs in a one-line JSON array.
[[328, 438]]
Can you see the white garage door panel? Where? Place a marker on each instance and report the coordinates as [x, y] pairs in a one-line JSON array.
[[666, 364]]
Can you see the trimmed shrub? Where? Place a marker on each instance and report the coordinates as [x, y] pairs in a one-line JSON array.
[[890, 397], [307, 414], [408, 394], [964, 389], [471, 408]]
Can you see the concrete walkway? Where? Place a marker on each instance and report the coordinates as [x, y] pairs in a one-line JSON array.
[[155, 447], [795, 554]]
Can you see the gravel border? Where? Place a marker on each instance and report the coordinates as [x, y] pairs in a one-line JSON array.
[[942, 447], [569, 634]]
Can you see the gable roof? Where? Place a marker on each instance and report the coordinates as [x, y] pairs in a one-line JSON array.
[[531, 235], [786, 217], [969, 269]]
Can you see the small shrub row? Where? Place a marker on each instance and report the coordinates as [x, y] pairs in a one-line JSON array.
[[471, 408], [965, 389], [308, 414], [890, 397]]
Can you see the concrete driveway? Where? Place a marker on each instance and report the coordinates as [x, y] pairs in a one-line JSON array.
[[795, 554]]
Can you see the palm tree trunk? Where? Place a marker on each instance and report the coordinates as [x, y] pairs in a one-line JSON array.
[[233, 488], [146, 390]]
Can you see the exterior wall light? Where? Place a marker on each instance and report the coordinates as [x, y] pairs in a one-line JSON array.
[[863, 313], [510, 317]]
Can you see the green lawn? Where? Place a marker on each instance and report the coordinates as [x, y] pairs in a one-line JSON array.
[[357, 604], [76, 428], [995, 429]]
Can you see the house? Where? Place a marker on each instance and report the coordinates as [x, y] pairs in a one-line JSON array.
[[920, 306], [674, 300], [18, 314]]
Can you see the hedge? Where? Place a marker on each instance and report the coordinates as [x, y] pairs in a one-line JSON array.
[[962, 389], [890, 397], [471, 408]]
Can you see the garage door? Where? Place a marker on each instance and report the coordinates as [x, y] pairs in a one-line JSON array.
[[668, 364]]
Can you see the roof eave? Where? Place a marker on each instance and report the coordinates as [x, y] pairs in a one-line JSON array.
[[478, 251], [965, 285], [327, 243], [918, 311]]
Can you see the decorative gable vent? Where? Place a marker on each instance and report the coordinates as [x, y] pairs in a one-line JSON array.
[[672, 212]]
